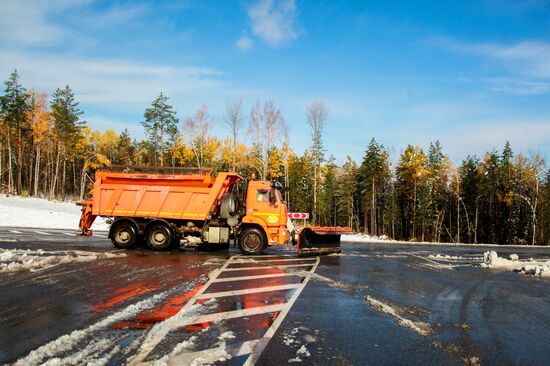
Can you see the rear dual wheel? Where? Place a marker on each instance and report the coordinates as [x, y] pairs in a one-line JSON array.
[[123, 234], [159, 236]]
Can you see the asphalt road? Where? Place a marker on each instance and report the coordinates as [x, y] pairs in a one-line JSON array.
[[74, 300]]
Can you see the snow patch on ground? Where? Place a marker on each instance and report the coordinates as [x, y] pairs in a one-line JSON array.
[[18, 211], [290, 339], [13, 260], [419, 327], [68, 342], [537, 268]]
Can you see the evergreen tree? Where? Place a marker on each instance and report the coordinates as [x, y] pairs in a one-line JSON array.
[[373, 174], [13, 110], [68, 126], [161, 126], [125, 149]]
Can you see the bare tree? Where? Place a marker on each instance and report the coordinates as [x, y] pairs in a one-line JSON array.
[[266, 124], [234, 119], [196, 129], [316, 116]]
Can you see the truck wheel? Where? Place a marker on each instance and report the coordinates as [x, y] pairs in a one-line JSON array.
[[123, 235], [159, 236], [252, 241]]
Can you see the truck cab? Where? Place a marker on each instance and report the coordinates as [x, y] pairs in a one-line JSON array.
[[264, 222]]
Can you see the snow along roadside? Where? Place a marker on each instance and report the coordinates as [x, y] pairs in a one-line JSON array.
[[359, 238], [35, 212], [530, 267], [14, 260]]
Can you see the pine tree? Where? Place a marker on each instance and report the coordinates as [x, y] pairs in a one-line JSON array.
[[125, 149], [373, 175], [13, 109], [68, 126], [161, 126]]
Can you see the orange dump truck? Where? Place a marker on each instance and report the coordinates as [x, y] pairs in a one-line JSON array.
[[195, 209]]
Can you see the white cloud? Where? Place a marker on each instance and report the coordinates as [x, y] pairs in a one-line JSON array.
[[25, 22], [524, 66], [108, 81], [274, 21], [244, 43]]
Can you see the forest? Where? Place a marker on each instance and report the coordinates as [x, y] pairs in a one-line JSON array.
[[48, 150]]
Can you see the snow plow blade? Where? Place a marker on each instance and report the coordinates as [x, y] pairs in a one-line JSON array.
[[315, 240]]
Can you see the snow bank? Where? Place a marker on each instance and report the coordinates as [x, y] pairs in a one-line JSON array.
[[364, 238], [529, 267], [38, 212], [444, 256], [13, 260]]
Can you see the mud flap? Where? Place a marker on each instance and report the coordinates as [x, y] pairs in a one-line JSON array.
[[315, 240]]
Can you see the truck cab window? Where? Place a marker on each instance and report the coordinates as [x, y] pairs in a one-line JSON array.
[[262, 195]]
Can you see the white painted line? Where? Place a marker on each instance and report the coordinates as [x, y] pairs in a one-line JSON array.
[[69, 234], [250, 291], [143, 353], [270, 260], [260, 346], [15, 232], [259, 256], [100, 236], [239, 313], [42, 233], [268, 267], [244, 278]]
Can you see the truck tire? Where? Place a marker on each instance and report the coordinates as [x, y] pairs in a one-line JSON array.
[[227, 206], [159, 236], [123, 235], [252, 241]]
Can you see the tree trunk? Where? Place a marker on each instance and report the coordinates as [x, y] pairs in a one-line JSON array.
[[10, 169], [475, 226], [315, 192], [56, 173], [373, 209], [64, 178], [37, 170], [19, 164], [414, 212], [535, 210]]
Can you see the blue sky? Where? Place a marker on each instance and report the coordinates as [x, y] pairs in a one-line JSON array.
[[471, 74]]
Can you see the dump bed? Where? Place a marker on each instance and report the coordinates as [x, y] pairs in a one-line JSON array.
[[176, 196]]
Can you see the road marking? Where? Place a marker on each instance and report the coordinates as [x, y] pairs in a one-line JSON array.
[[42, 233], [262, 343], [100, 236], [268, 267], [269, 260], [239, 313], [253, 348], [15, 232], [258, 277], [69, 234], [250, 291]]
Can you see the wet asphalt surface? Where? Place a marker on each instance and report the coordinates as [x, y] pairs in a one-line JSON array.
[[442, 310]]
